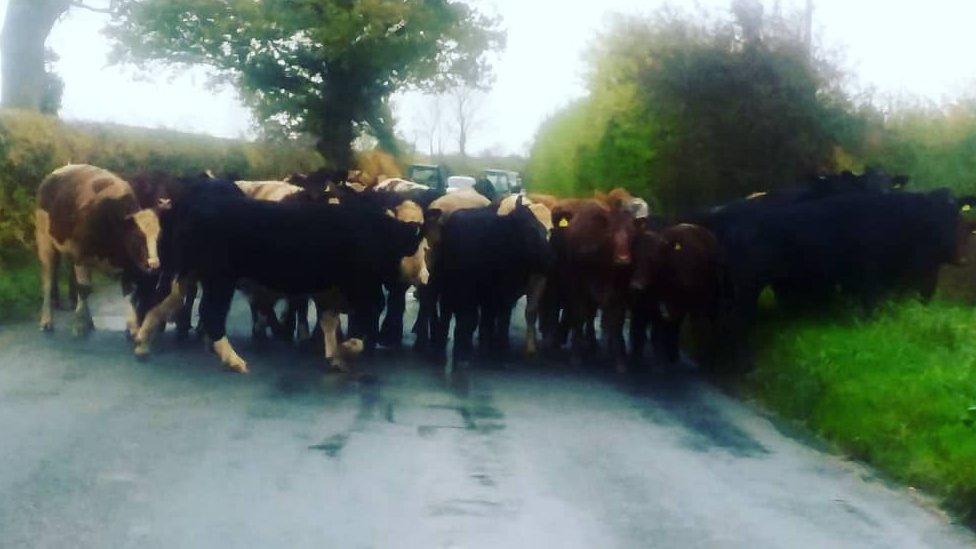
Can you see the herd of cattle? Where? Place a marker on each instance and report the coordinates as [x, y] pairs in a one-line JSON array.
[[471, 257]]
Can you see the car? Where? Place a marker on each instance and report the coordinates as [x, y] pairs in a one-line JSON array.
[[460, 182], [434, 176], [505, 182]]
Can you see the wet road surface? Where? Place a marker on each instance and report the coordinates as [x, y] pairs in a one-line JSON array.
[[99, 450]]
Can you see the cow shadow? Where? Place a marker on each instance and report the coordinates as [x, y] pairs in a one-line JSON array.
[[681, 397]]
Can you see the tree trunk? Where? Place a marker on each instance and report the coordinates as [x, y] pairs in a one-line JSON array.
[[25, 30], [335, 142]]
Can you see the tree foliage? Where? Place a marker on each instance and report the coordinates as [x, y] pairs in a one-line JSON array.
[[322, 67], [692, 111]]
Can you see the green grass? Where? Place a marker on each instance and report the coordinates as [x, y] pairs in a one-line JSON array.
[[897, 391], [19, 294]]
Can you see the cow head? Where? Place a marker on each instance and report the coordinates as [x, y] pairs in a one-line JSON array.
[[531, 226], [965, 228], [622, 231], [413, 267], [651, 252], [141, 239]]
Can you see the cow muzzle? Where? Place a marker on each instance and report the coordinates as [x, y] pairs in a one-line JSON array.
[[621, 260], [153, 263]]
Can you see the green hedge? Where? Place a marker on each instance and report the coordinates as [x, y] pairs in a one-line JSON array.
[[33, 145]]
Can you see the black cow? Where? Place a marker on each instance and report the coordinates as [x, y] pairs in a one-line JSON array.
[[863, 242], [483, 267], [219, 238]]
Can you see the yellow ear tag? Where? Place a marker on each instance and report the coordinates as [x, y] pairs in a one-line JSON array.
[[966, 208], [677, 246], [333, 201], [564, 222]]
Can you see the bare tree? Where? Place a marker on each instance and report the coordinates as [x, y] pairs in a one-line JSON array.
[[430, 124], [466, 106], [26, 82]]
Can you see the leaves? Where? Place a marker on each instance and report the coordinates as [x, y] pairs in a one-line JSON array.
[[310, 66]]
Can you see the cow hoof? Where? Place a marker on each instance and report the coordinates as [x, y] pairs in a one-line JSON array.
[[141, 350], [351, 348], [303, 333], [47, 326], [237, 366], [82, 329], [337, 365]]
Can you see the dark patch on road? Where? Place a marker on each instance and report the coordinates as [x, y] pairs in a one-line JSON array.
[[465, 507], [476, 418], [857, 512], [333, 445], [675, 399], [483, 479]]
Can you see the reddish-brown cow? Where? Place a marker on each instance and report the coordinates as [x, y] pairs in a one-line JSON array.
[[676, 274]]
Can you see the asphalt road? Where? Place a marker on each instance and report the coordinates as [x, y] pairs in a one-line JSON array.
[[99, 450]]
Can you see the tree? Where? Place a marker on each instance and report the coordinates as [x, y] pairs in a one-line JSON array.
[[321, 67], [466, 105], [693, 112], [430, 121], [27, 82]]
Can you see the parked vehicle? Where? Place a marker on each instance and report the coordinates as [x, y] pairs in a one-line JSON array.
[[434, 176], [505, 182], [460, 182]]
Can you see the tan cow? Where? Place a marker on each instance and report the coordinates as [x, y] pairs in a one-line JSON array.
[[92, 216]]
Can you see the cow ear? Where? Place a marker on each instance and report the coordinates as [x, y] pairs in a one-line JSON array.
[[519, 202]]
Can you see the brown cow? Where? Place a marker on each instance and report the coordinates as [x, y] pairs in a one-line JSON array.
[[595, 270], [676, 274], [93, 217]]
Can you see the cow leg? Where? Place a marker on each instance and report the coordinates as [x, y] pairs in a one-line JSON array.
[[330, 328], [364, 317], [301, 318], [441, 325], [467, 320], [425, 325], [503, 325], [391, 332], [156, 318], [217, 296], [132, 321], [55, 276], [487, 320], [184, 317], [533, 297], [83, 319], [47, 257], [294, 323], [73, 288], [612, 322], [259, 328], [638, 331]]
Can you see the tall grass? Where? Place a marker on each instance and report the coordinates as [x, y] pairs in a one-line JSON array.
[[897, 391]]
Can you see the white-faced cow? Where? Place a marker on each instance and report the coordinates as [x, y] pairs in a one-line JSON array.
[[92, 216]]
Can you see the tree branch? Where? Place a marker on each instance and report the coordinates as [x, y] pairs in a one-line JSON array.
[[85, 6]]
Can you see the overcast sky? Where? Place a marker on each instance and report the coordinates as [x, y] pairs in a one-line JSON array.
[[920, 48]]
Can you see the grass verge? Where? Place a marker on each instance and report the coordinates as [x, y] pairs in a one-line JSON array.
[[19, 294], [897, 391]]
